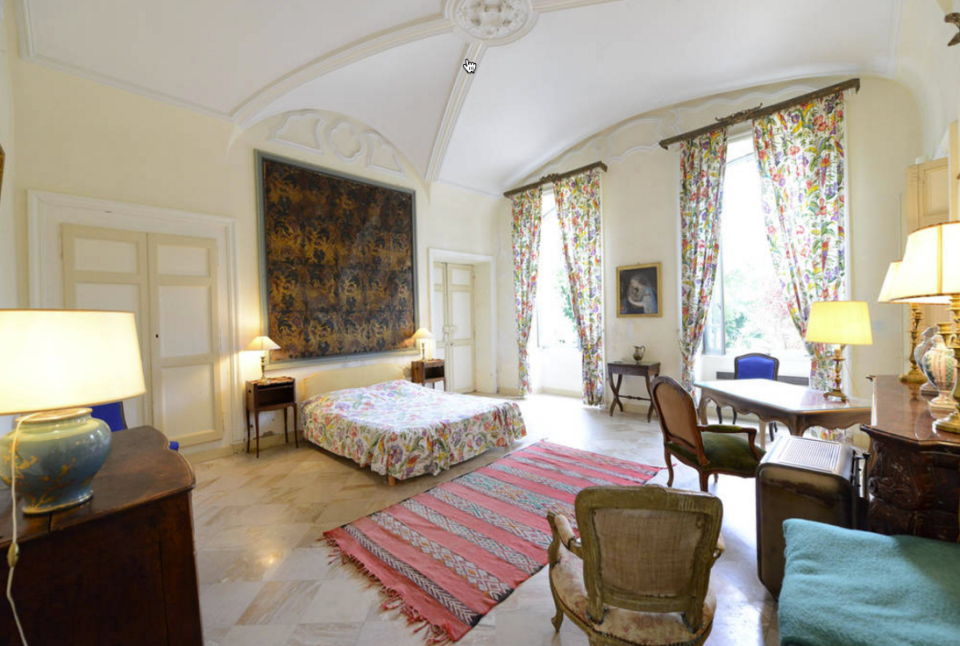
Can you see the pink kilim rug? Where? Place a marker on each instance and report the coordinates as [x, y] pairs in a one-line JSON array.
[[447, 556]]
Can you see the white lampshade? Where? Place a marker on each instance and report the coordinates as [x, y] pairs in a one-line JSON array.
[[262, 344], [840, 322], [888, 293], [931, 263], [422, 333], [55, 359]]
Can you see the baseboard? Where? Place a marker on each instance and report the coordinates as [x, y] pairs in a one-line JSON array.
[[266, 441], [509, 392]]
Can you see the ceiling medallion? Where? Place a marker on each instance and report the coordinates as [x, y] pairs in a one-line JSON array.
[[493, 22]]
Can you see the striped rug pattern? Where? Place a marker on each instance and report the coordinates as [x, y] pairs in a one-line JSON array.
[[447, 556]]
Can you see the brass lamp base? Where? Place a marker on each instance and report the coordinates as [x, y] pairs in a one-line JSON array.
[[913, 375], [836, 392]]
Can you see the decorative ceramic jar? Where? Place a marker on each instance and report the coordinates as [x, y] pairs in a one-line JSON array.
[[941, 366], [57, 455], [918, 353], [638, 351]]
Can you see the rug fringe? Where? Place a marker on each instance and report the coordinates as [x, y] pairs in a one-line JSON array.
[[434, 635]]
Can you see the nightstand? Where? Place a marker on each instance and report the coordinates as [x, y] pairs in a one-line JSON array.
[[428, 372], [271, 394]]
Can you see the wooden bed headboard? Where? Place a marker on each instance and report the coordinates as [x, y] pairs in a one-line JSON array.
[[327, 381]]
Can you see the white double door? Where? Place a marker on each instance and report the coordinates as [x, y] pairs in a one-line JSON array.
[[452, 321], [170, 284]]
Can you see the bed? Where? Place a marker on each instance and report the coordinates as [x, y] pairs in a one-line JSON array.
[[401, 430]]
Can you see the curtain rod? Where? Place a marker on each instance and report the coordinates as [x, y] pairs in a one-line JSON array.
[[760, 111], [555, 177]]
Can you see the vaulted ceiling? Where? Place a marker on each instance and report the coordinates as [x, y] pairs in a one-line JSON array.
[[549, 72]]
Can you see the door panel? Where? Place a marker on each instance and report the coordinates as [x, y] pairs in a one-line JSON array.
[[106, 269], [452, 318], [185, 327]]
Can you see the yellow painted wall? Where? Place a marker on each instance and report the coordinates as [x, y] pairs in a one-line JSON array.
[[8, 281], [641, 215], [97, 141]]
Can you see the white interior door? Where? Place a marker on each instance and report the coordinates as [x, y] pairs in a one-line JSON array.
[[106, 269], [453, 321], [185, 337]]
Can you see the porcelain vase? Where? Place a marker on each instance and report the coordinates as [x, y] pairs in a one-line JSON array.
[[638, 351], [57, 455], [940, 366], [926, 343]]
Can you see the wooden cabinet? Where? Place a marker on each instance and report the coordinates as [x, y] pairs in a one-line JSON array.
[[428, 372], [117, 570], [914, 478], [277, 393]]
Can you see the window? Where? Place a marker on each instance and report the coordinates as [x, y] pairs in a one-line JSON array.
[[747, 313], [555, 325]]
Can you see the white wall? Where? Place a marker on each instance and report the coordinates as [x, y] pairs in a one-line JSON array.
[[641, 215], [93, 140], [8, 279]]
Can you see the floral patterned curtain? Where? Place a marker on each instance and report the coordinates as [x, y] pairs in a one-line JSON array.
[[702, 165], [801, 158], [578, 210], [527, 218]]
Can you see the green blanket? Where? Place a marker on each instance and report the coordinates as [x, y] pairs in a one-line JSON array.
[[844, 588]]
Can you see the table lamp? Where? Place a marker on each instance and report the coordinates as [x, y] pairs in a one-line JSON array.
[[840, 323], [888, 294], [262, 344], [421, 336], [931, 268], [57, 363]]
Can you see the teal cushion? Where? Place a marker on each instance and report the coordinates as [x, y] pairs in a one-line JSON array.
[[849, 588], [724, 451]]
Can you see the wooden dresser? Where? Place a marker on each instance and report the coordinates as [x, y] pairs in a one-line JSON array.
[[914, 480], [119, 569]]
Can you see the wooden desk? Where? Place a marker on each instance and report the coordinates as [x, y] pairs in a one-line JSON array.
[[428, 372], [117, 570], [620, 368], [914, 478], [796, 407], [271, 394]]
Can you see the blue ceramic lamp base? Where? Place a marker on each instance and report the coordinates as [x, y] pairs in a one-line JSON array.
[[58, 454]]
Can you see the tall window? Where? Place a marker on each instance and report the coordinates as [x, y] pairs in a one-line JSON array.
[[555, 325], [747, 313]]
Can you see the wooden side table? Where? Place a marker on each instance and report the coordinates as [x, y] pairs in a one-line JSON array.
[[275, 393], [914, 477], [620, 368], [119, 569], [428, 372]]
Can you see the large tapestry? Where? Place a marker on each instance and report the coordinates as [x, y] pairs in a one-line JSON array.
[[338, 257]]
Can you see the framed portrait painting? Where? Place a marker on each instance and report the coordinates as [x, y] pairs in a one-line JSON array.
[[639, 290]]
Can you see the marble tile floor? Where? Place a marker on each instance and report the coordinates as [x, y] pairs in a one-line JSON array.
[[266, 580]]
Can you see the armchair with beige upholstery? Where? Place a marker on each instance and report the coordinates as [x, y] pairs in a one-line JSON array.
[[711, 449], [640, 572]]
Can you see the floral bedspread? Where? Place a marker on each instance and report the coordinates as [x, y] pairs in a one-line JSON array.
[[403, 430]]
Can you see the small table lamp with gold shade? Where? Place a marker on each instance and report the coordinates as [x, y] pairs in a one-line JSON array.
[[839, 323], [421, 337], [262, 344], [57, 363], [931, 268], [888, 294]]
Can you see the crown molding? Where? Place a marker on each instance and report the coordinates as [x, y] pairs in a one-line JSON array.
[[603, 142], [543, 6], [451, 113], [249, 112]]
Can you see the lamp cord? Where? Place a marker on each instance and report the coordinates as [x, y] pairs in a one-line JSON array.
[[13, 554]]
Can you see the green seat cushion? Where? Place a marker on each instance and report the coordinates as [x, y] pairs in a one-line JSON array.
[[724, 451], [850, 588]]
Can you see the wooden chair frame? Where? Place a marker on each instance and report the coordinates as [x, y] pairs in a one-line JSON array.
[[702, 465], [689, 601]]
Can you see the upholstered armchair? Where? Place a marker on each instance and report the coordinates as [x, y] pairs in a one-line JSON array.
[[712, 449], [640, 571]]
